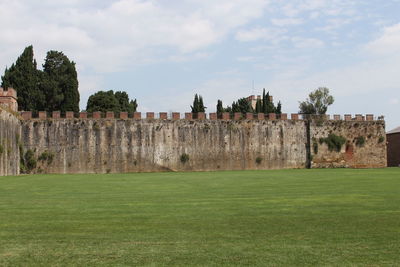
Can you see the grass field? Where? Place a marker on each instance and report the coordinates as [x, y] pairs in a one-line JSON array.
[[286, 217]]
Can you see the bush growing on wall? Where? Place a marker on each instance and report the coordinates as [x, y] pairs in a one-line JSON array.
[[184, 158], [30, 161], [334, 142], [360, 141], [47, 156]]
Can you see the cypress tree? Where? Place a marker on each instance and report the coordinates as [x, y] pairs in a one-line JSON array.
[[269, 106], [264, 102], [60, 82], [259, 106], [202, 108], [220, 108], [195, 107], [279, 108], [24, 77]]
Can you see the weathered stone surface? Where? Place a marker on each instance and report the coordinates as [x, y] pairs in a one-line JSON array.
[[90, 146], [110, 145], [10, 132], [372, 154]]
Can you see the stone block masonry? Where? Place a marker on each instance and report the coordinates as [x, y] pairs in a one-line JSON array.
[[146, 145], [105, 142]]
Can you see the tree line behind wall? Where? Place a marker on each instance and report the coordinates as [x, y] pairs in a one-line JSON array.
[[53, 88]]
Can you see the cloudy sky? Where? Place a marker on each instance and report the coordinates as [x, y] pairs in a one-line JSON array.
[[162, 52]]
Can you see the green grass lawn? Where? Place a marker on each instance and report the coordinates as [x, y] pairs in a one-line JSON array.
[[286, 217]]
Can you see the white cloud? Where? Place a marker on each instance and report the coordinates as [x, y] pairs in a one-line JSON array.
[[301, 42], [287, 21], [388, 43], [255, 34], [115, 35]]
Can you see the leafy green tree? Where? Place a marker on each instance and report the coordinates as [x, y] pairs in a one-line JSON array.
[[60, 74], [125, 104], [108, 101], [24, 77], [317, 102], [103, 101], [242, 105]]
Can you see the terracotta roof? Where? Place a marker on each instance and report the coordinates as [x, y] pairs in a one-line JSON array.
[[395, 130]]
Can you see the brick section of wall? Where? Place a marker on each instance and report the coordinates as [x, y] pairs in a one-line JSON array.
[[213, 116], [137, 115], [42, 115], [294, 116], [188, 116], [249, 116], [260, 116], [271, 116], [163, 115], [359, 117], [150, 115], [83, 115], [347, 117], [237, 116], [283, 116], [226, 116], [370, 117], [109, 115], [336, 117], [69, 115], [201, 116], [97, 115], [27, 115], [56, 114], [123, 115], [176, 116]]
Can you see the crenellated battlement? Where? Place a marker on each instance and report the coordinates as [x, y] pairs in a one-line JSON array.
[[43, 115]]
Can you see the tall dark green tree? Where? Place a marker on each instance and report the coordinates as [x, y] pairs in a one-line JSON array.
[[264, 102], [60, 83], [220, 108], [24, 77], [259, 106], [125, 104], [243, 105], [202, 108], [198, 105], [108, 101], [279, 108]]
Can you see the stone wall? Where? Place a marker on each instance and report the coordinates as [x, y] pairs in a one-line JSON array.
[[111, 145], [10, 129], [145, 145], [364, 147]]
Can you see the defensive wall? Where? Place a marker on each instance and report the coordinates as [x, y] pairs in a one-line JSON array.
[[108, 142], [10, 132]]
